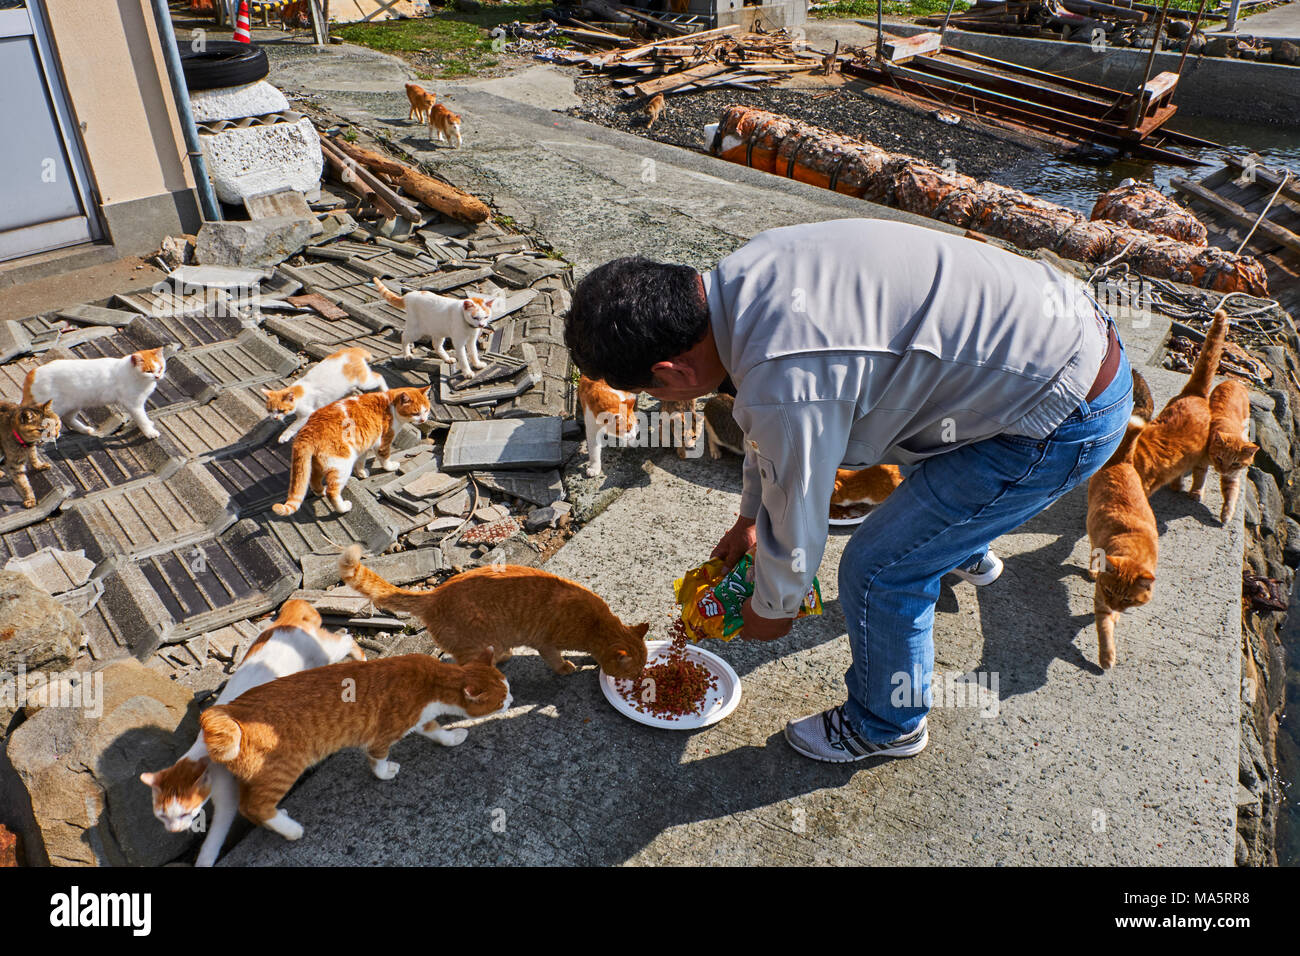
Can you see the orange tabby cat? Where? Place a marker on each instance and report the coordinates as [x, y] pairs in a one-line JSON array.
[[679, 426], [336, 440], [654, 109], [268, 736], [1174, 442], [609, 415], [421, 102], [1229, 449], [1123, 536], [508, 607], [868, 486], [445, 122]]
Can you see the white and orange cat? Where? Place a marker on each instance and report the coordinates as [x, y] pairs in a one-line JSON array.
[[506, 606], [421, 102], [268, 736], [438, 317], [865, 486], [1229, 449], [295, 641], [1124, 541], [445, 123], [77, 384], [1173, 444], [609, 416], [336, 441], [327, 381]]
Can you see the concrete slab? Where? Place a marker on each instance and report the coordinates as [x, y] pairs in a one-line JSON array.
[[235, 419], [545, 87], [95, 315], [67, 531], [191, 331], [254, 477], [54, 570], [156, 516], [538, 487], [95, 465], [502, 443], [251, 358], [50, 488], [317, 529], [172, 596]]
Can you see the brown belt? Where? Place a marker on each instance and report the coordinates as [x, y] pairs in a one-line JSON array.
[[1106, 374]]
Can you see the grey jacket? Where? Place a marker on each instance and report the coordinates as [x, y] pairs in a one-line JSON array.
[[862, 342]]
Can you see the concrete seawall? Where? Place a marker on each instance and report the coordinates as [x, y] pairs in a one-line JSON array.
[[1219, 87]]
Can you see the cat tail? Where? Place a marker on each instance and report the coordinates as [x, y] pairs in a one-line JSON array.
[[221, 734], [1128, 444], [393, 298], [1207, 363], [299, 475], [27, 386], [1143, 404], [382, 595]]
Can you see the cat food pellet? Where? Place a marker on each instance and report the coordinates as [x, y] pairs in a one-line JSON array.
[[680, 686]]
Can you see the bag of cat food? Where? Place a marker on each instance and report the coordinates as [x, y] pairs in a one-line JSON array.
[[712, 598]]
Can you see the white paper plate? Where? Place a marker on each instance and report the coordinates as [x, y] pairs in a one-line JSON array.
[[717, 703], [854, 520]]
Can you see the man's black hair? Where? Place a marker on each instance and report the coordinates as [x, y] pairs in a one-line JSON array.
[[632, 313]]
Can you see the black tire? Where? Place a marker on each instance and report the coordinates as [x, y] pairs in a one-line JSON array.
[[223, 63]]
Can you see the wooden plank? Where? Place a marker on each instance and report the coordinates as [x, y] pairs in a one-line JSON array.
[[1270, 177], [666, 84], [1159, 85], [1283, 237], [899, 49]]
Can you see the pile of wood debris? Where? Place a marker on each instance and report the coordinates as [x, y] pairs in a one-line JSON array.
[[727, 56]]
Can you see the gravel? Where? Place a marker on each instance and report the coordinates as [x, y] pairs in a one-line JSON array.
[[894, 126]]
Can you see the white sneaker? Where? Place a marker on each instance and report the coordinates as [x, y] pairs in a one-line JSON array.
[[828, 737], [984, 571]]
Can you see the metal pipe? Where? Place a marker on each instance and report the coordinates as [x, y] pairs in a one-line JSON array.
[[944, 29], [880, 30], [181, 94], [1187, 43], [1231, 25], [1151, 59]]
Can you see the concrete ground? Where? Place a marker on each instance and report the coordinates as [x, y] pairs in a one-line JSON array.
[[1133, 766], [1283, 21]]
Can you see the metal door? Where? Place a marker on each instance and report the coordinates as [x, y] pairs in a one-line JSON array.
[[44, 195]]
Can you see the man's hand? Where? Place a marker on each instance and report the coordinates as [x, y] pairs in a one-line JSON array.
[[737, 542], [759, 628]]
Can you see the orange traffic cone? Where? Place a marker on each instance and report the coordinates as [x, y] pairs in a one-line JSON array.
[[241, 24]]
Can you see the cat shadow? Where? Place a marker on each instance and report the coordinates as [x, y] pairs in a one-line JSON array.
[[1170, 505], [1025, 616]]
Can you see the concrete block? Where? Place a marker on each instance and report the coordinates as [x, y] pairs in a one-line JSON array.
[[503, 444], [260, 242]]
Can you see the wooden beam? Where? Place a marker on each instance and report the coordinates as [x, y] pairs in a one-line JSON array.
[[900, 49], [1283, 237], [670, 82]]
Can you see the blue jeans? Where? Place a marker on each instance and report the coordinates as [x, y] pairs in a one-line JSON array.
[[942, 517]]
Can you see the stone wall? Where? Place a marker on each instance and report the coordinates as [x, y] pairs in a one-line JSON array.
[[1271, 503]]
